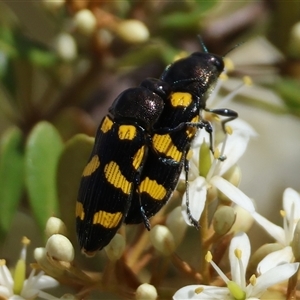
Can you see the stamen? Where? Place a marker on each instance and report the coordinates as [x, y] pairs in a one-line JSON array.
[[252, 280], [199, 290], [229, 65], [283, 213], [247, 80], [208, 258], [20, 270], [238, 253], [228, 129]]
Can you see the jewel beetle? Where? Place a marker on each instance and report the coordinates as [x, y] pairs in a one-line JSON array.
[[190, 81], [141, 147]]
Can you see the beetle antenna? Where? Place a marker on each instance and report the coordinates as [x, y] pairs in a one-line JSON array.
[[204, 49], [234, 47]]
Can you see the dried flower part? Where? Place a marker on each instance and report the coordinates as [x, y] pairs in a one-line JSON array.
[[116, 247], [162, 239], [133, 31], [146, 291], [60, 248], [54, 226]]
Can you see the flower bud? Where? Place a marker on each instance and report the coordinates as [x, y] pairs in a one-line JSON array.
[[66, 47], [40, 255], [243, 220], [146, 291], [60, 248], [260, 254], [53, 5], [85, 22], [223, 219], [162, 239], [133, 31], [55, 225], [176, 224], [116, 247], [294, 41]]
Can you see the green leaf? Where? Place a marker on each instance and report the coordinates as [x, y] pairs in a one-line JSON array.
[[71, 164], [11, 175], [289, 90], [43, 149], [188, 18]]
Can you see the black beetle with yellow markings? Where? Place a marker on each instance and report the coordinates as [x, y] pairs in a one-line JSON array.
[[141, 147], [190, 81]]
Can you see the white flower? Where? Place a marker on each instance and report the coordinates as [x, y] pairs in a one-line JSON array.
[[16, 287], [232, 148], [239, 253], [283, 235]]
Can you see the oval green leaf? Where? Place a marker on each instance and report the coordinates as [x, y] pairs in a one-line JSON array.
[[43, 149], [11, 176], [71, 164]]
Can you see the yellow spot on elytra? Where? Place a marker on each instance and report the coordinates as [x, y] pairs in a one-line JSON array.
[[164, 144], [181, 99], [92, 166], [127, 132], [151, 187], [208, 256], [106, 219], [79, 210], [106, 125], [138, 158], [191, 130], [114, 176]]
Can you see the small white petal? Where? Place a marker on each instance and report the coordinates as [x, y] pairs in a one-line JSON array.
[[233, 193], [271, 277], [274, 259], [197, 196], [4, 292], [291, 204], [236, 145], [209, 292], [275, 231], [241, 242]]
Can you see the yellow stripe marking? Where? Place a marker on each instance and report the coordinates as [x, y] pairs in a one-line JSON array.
[[92, 166], [106, 219], [127, 132], [138, 158], [151, 187], [79, 210], [164, 144], [181, 99], [106, 124], [191, 131], [115, 177]]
